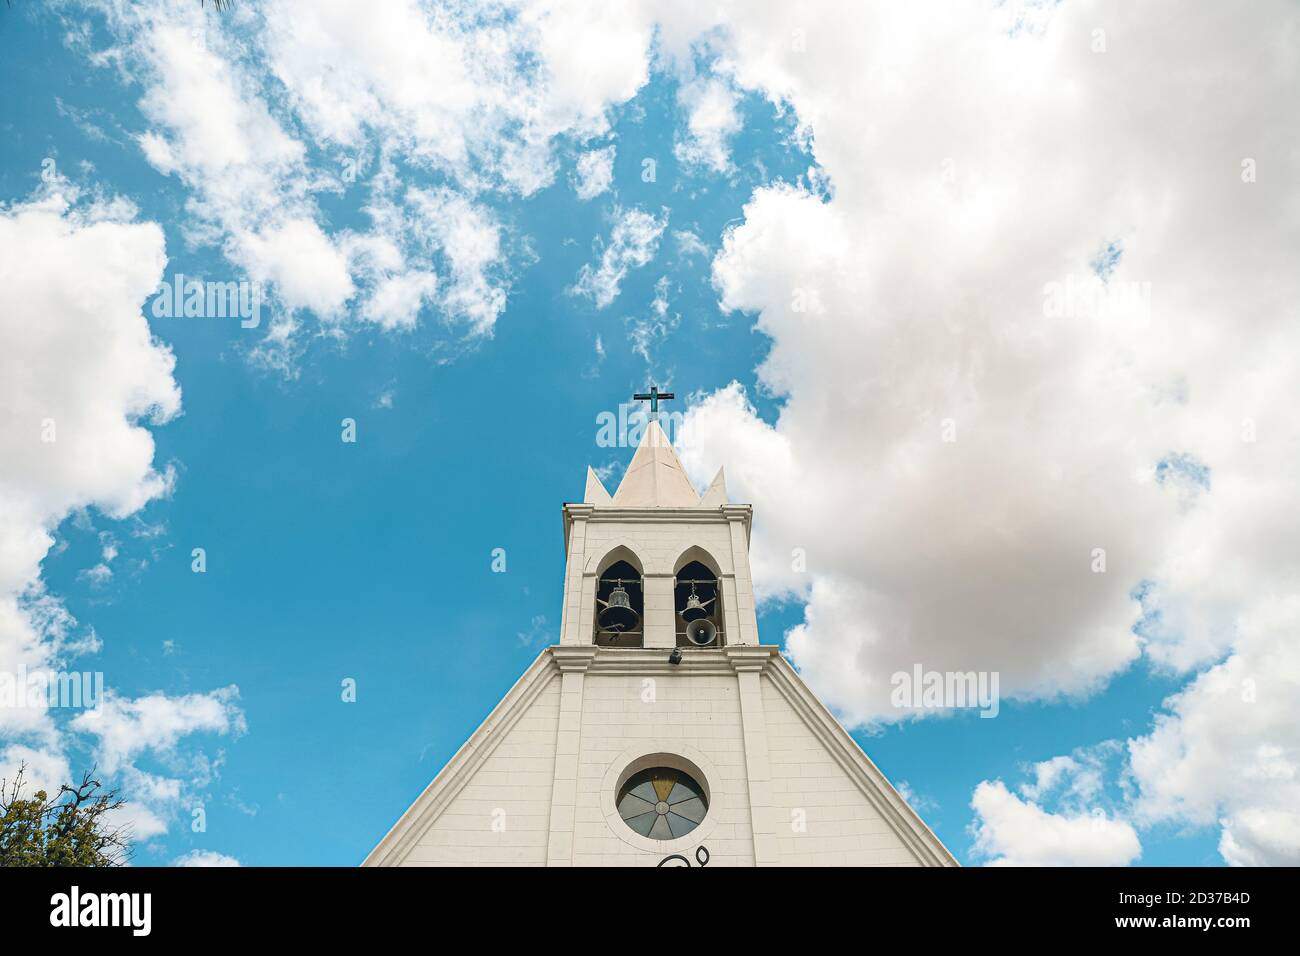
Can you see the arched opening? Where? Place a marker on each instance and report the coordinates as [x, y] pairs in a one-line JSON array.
[[697, 600], [620, 607]]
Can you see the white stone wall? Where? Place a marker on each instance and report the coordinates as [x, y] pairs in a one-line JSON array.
[[659, 545], [842, 827], [688, 714], [786, 786], [515, 778]]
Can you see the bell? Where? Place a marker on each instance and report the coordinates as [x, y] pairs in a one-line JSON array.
[[695, 609], [617, 614]]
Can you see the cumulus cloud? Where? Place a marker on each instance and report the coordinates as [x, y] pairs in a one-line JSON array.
[[153, 801], [1010, 831], [42, 769], [1033, 328], [205, 858], [994, 314], [1062, 815], [263, 110], [1225, 750], [1056, 423], [468, 238], [594, 173], [711, 120], [633, 242], [302, 262], [81, 379], [154, 726], [127, 728], [480, 97], [397, 299]]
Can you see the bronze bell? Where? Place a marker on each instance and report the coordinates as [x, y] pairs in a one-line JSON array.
[[695, 608], [617, 614]]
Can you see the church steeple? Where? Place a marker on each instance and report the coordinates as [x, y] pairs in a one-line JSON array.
[[654, 547], [648, 725], [655, 478]]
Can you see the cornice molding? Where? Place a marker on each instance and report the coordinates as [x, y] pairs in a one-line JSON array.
[[749, 658], [573, 658], [653, 661], [613, 513]]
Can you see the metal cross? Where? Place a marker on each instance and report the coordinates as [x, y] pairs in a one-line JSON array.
[[654, 396]]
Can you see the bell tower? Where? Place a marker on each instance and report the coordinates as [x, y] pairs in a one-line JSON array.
[[655, 565], [659, 731]]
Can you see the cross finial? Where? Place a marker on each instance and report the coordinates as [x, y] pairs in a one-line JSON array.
[[654, 397]]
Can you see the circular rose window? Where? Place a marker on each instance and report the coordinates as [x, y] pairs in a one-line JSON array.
[[662, 803]]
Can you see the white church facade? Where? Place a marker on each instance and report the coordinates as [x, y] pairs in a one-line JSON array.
[[660, 730]]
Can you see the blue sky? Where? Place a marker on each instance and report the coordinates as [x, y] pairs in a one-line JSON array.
[[371, 560]]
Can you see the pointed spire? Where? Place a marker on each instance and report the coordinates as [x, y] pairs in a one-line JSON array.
[[655, 479], [716, 496], [596, 493]]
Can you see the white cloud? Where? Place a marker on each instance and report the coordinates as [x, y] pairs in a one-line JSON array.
[[593, 370], [1048, 774], [153, 801], [975, 553], [917, 801], [302, 262], [98, 575], [481, 97], [633, 242], [1073, 780], [80, 376], [468, 237], [397, 299], [650, 331], [1261, 837], [43, 769], [205, 858], [1227, 750], [1014, 832], [711, 120], [594, 173], [138, 822], [250, 181], [906, 303], [903, 290], [155, 723], [478, 98], [689, 244]]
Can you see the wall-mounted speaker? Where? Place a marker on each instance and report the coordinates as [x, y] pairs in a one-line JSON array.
[[701, 633]]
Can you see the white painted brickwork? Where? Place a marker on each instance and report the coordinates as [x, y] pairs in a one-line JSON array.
[[658, 546], [550, 777], [515, 778], [842, 827], [688, 714]]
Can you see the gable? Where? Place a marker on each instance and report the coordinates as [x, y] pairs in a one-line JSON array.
[[831, 805], [787, 784], [491, 803]]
